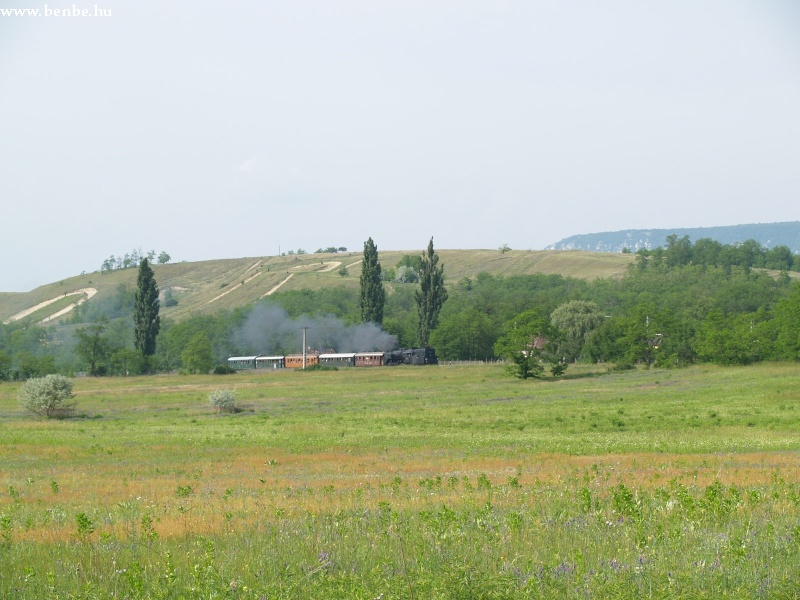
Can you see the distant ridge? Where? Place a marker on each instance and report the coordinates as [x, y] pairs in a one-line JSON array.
[[768, 235]]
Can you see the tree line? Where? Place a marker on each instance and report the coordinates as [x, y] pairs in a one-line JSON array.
[[680, 252], [671, 312], [133, 259]]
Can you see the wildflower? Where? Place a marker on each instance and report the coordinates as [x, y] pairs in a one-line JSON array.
[[564, 569]]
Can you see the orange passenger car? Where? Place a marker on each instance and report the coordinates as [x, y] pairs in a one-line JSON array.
[[295, 361]]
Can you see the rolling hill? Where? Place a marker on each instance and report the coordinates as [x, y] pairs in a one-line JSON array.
[[209, 286]]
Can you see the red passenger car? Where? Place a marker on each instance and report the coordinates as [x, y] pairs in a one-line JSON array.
[[369, 359]]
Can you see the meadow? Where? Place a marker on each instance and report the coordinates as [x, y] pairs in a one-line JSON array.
[[434, 482]]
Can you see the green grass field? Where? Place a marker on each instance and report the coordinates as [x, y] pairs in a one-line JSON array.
[[438, 482]]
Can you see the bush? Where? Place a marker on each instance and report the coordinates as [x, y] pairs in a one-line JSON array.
[[406, 275], [224, 370], [47, 396], [557, 369], [319, 367], [223, 400]]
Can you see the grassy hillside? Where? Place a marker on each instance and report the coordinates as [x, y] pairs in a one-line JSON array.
[[209, 286]]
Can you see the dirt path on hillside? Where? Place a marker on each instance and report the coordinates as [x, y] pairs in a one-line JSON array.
[[237, 286], [330, 266], [327, 266], [275, 287], [88, 292]]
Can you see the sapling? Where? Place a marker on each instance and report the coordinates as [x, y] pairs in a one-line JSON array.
[[85, 526], [5, 529]]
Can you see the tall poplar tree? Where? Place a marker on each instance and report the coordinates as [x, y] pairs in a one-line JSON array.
[[146, 322], [431, 294], [373, 296]]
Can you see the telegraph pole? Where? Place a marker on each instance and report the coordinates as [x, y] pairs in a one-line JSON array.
[[305, 328]]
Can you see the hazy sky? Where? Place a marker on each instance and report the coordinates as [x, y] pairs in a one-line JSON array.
[[230, 129]]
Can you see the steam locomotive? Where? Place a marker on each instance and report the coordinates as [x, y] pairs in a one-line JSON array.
[[403, 356]]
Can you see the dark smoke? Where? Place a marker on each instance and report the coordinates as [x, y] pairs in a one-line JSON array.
[[269, 330]]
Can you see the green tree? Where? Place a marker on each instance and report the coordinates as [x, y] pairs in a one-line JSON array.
[[787, 322], [413, 262], [146, 322], [5, 365], [93, 346], [645, 328], [373, 296], [779, 257], [464, 335], [606, 343], [29, 365], [523, 343], [706, 252], [125, 361], [430, 296], [576, 320], [728, 339], [401, 316], [198, 356], [678, 252], [169, 298]]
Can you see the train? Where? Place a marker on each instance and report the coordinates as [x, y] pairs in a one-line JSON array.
[[402, 356]]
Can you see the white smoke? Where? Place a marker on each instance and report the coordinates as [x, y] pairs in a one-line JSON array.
[[269, 330]]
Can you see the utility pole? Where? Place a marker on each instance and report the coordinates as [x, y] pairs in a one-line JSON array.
[[305, 328]]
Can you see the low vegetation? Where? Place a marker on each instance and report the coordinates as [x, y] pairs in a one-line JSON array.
[[439, 482], [47, 396], [224, 400]]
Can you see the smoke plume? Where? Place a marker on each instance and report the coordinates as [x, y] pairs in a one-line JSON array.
[[269, 330]]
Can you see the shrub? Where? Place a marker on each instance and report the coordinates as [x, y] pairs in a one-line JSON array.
[[319, 367], [557, 368], [224, 400], [624, 366], [47, 396], [224, 370], [406, 275]]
